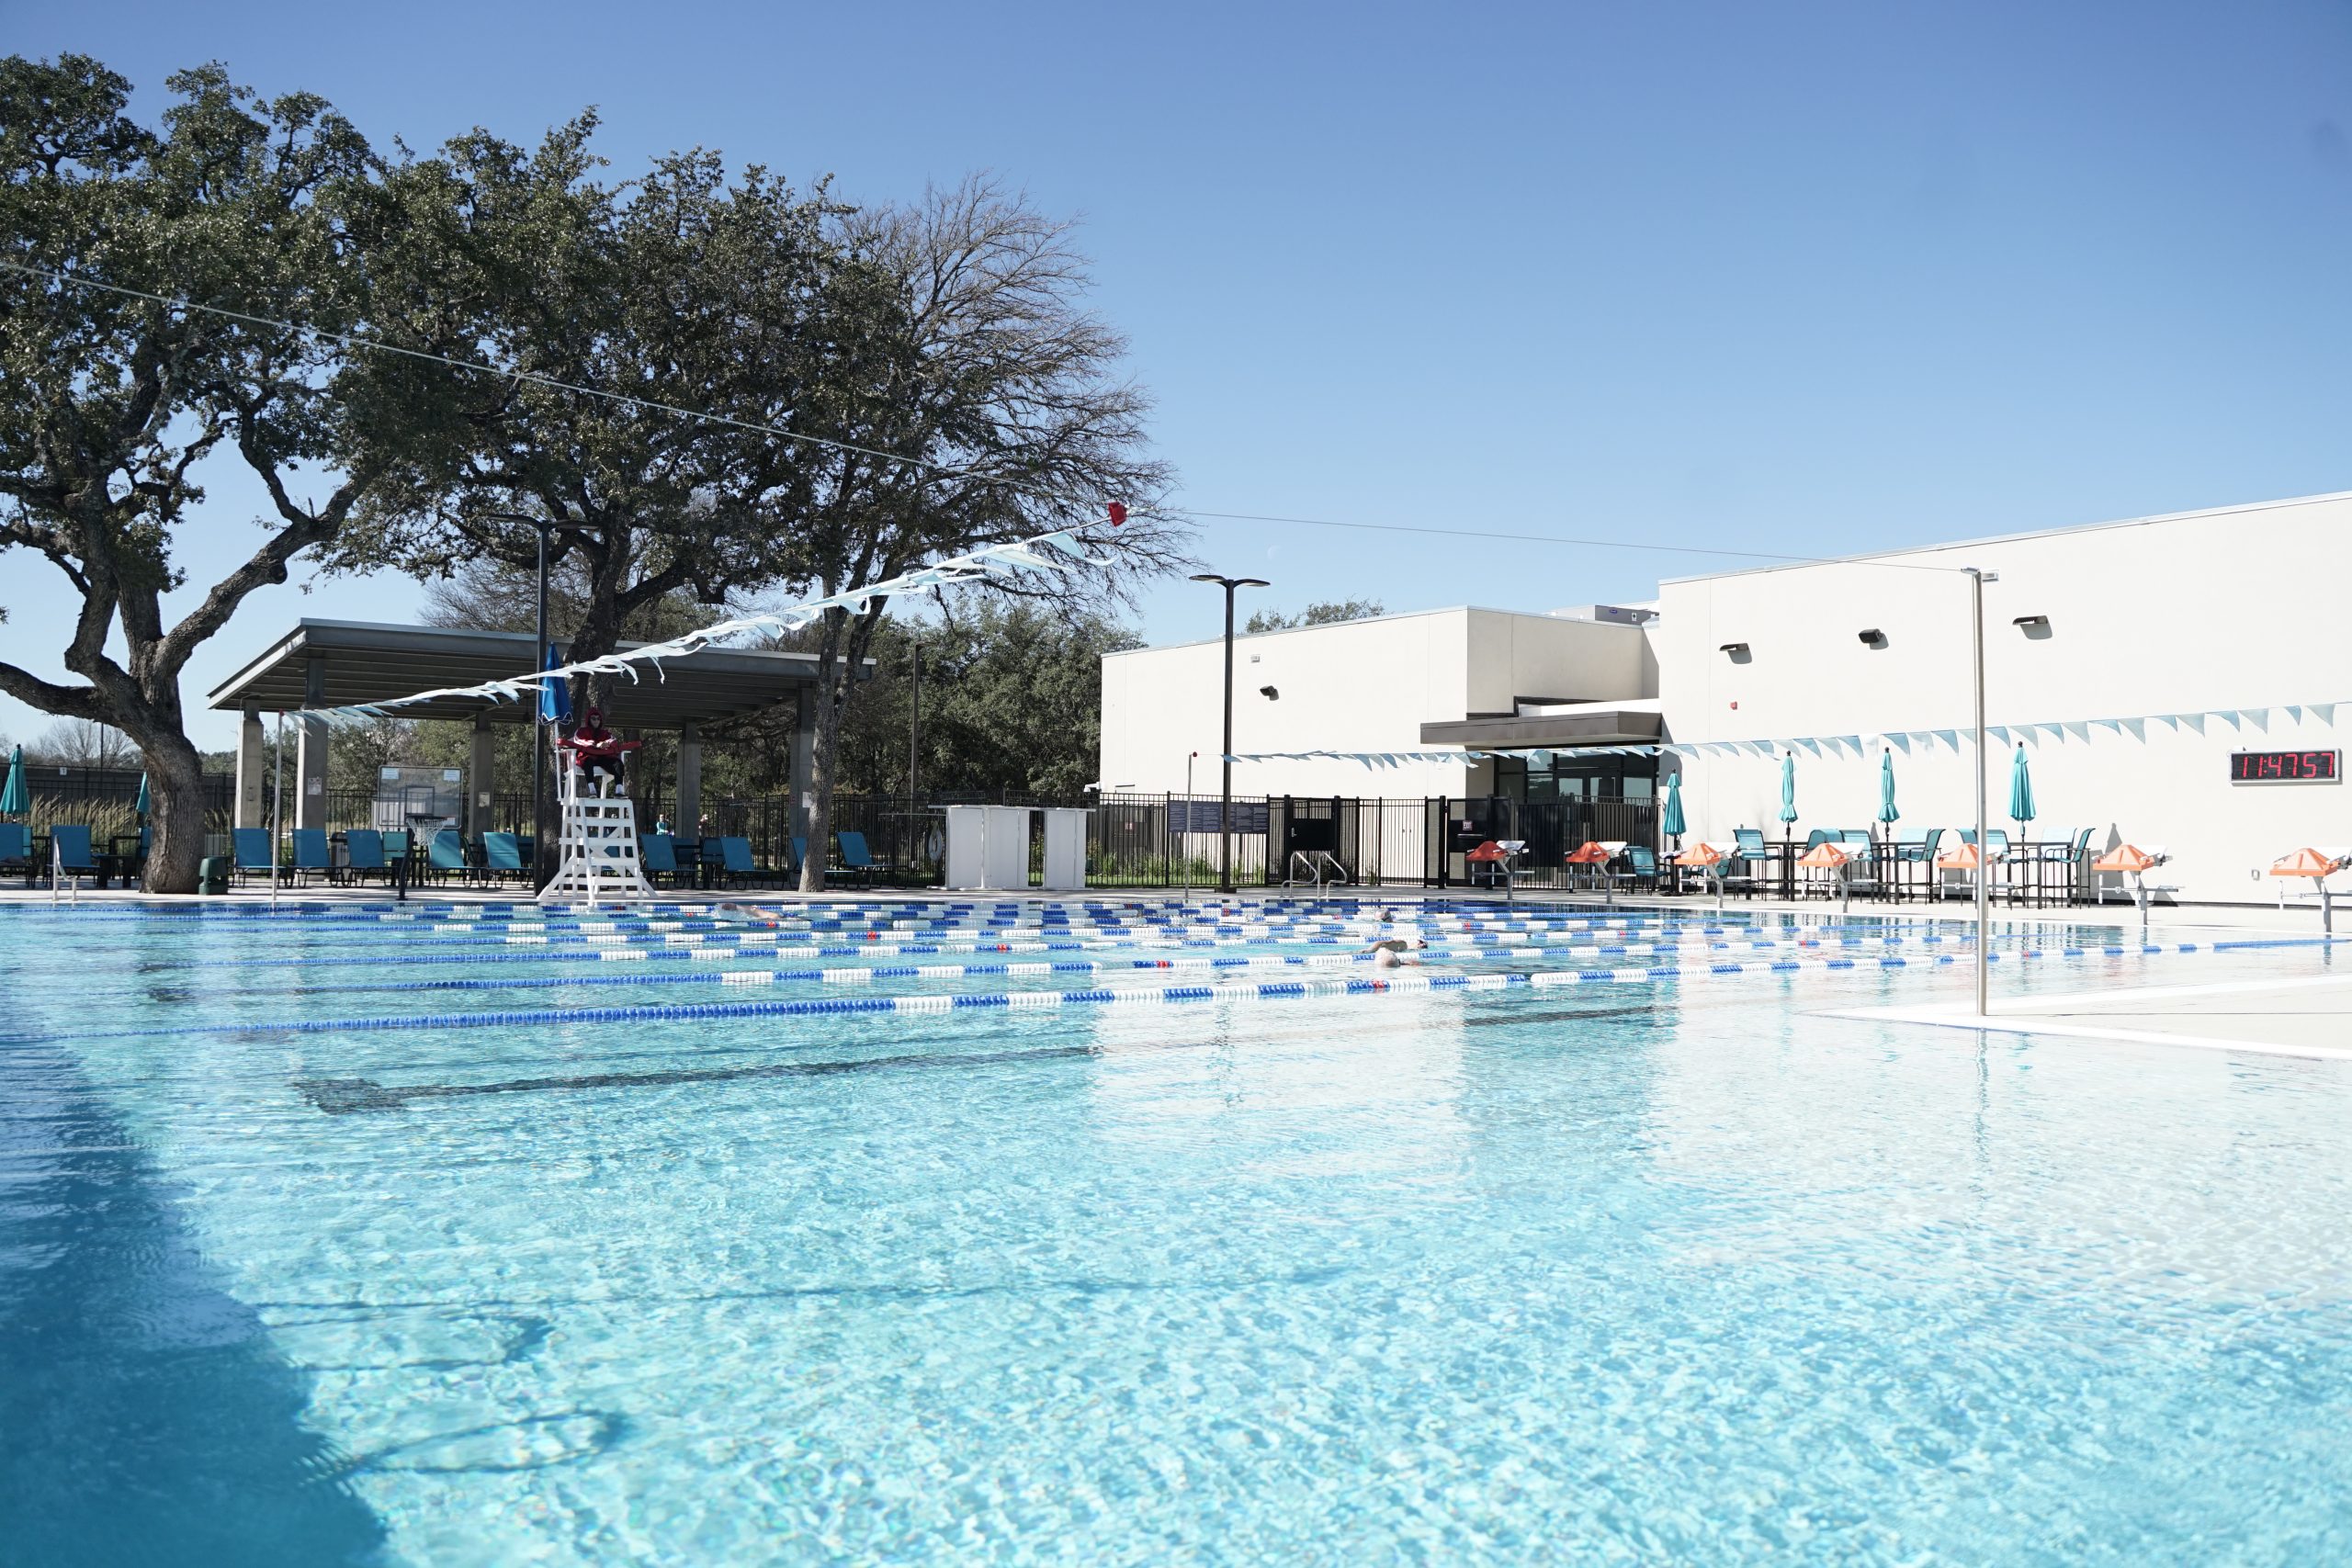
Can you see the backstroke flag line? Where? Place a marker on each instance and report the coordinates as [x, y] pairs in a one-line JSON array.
[[1955, 738], [1063, 549]]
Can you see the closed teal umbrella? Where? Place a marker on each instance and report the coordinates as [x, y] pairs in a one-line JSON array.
[[16, 797], [1671, 824], [1886, 812], [141, 808], [2021, 791], [1788, 787], [555, 696]]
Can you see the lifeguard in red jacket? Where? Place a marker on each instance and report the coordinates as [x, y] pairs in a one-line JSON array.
[[597, 751]]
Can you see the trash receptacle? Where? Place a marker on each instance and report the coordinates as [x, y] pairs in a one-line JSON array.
[[212, 875]]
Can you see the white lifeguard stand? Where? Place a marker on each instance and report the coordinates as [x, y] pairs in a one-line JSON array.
[[599, 844]]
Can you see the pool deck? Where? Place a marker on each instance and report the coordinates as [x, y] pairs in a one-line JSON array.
[[2304, 1016]]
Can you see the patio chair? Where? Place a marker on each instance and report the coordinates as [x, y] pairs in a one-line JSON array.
[[856, 859], [2060, 861], [362, 854], [312, 856], [69, 846], [1753, 852], [656, 853], [446, 855], [501, 857], [1728, 873], [1635, 867], [134, 862], [1916, 848], [17, 849], [250, 848], [1811, 880]]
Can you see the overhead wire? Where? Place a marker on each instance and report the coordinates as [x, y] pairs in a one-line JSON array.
[[626, 399]]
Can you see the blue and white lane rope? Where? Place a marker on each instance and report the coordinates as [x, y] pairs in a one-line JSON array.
[[1268, 990], [867, 973]]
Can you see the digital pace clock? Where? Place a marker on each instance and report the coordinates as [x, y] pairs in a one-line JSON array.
[[2286, 767]]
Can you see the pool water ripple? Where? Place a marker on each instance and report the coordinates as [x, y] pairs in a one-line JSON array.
[[1650, 1271]]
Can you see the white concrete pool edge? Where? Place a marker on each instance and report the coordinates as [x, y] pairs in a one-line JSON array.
[[2030, 1017]]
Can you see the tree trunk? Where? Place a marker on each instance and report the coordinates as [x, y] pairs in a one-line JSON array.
[[175, 792]]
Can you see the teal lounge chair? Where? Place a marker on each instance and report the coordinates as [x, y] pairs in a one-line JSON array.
[[70, 851], [658, 854], [250, 848], [735, 863], [362, 854], [501, 857], [856, 858], [446, 855], [312, 855], [17, 849], [1637, 867]]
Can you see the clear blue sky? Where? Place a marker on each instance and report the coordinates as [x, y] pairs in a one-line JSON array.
[[1811, 278]]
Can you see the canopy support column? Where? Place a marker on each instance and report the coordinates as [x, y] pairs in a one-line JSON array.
[[311, 750], [481, 780], [253, 767], [689, 817]]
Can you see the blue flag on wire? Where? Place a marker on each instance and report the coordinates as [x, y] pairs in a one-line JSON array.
[[555, 695]]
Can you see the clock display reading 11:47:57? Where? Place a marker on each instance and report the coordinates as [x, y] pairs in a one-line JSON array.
[[2286, 767]]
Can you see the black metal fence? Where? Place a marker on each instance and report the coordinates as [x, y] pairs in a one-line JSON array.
[[1132, 840], [113, 786], [1163, 840]]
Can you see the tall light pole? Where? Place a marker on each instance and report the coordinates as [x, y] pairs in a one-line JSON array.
[[545, 525], [914, 738], [1225, 800], [1978, 579]]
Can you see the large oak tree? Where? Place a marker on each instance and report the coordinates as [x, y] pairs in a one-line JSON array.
[[110, 402]]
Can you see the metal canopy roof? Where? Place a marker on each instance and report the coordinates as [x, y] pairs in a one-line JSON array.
[[366, 662], [1607, 728]]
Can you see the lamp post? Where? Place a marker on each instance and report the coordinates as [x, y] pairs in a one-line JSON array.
[[1978, 579], [1184, 845], [914, 746], [546, 525], [1225, 799]]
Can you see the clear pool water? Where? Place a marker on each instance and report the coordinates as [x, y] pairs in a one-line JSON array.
[[1655, 1268]]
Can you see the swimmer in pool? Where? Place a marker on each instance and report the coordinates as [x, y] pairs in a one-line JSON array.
[[1390, 953]]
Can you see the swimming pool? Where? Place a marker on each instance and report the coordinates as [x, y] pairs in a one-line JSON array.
[[1136, 1233]]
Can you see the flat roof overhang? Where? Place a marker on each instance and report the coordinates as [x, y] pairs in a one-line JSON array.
[[362, 661], [1605, 728]]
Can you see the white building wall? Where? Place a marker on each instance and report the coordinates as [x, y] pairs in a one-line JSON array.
[[2227, 608], [1354, 686]]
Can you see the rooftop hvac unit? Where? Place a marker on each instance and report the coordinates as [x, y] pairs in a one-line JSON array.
[[1606, 614]]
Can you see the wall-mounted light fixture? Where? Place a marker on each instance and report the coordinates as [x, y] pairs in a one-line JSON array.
[[1737, 649], [1270, 693], [2033, 623], [1873, 638]]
